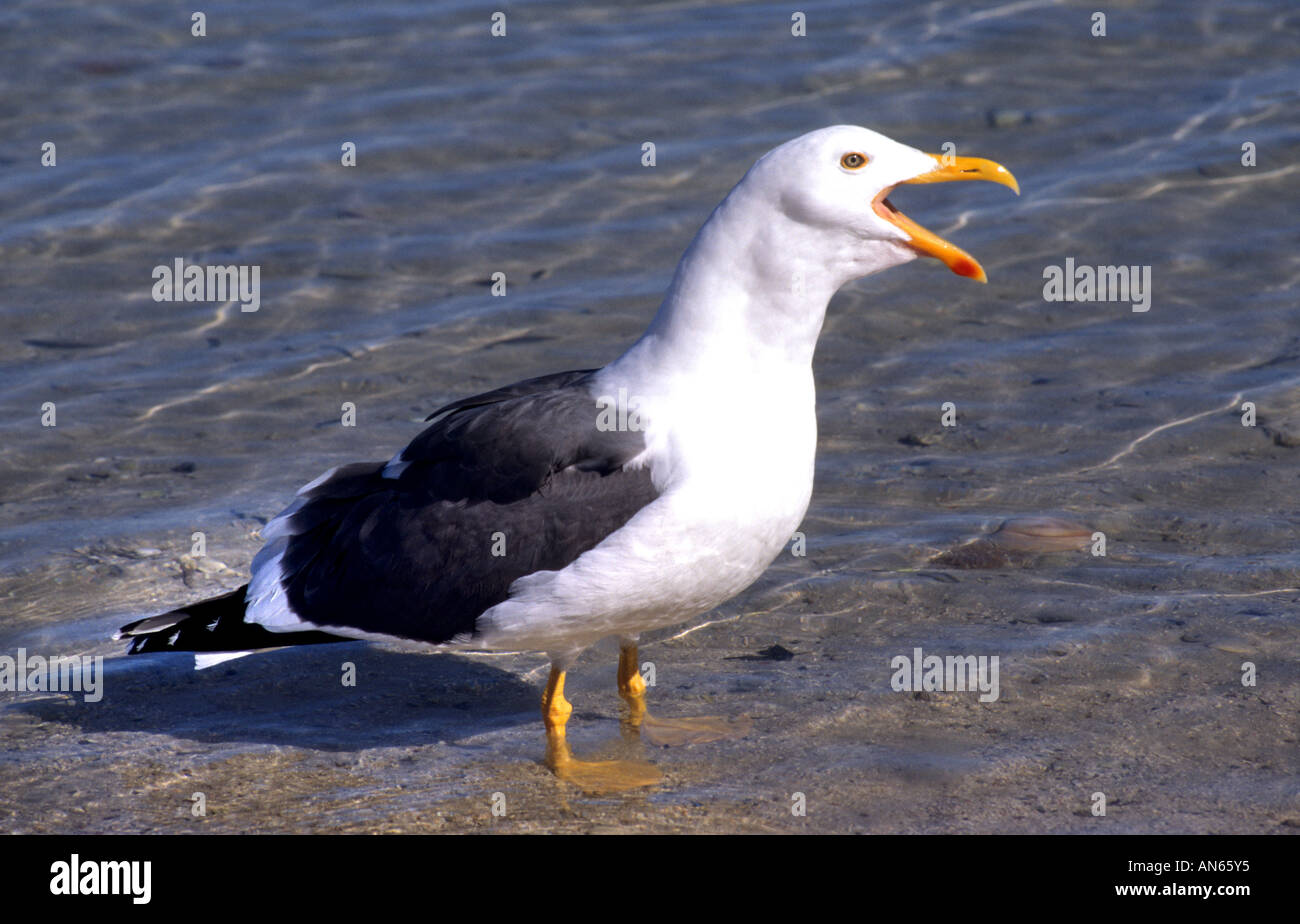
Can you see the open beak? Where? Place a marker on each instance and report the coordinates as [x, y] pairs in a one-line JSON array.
[[926, 242]]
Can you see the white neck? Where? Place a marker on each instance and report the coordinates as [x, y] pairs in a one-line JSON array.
[[751, 291], [726, 305]]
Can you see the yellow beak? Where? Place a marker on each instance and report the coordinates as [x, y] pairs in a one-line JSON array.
[[946, 169]]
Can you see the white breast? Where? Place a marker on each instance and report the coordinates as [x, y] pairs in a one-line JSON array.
[[734, 463]]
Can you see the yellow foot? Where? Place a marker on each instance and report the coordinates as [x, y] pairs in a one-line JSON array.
[[696, 730], [598, 777]]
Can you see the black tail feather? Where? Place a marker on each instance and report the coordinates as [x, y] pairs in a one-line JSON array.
[[212, 625]]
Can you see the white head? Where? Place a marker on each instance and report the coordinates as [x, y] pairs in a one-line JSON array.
[[834, 181], [808, 217]]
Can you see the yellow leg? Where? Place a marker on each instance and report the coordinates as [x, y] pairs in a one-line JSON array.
[[598, 777], [631, 685], [667, 732], [555, 708], [630, 682]]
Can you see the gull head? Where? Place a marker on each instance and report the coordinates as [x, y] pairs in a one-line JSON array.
[[833, 184]]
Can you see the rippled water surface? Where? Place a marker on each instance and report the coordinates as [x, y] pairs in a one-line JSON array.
[[522, 155]]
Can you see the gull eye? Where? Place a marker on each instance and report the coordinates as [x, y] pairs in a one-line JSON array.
[[853, 161]]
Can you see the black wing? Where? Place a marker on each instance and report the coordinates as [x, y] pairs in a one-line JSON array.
[[501, 485], [552, 382]]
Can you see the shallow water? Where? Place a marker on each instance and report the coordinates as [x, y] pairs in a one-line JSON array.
[[522, 155]]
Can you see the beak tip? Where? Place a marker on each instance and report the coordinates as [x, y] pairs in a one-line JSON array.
[[963, 264], [1007, 179]]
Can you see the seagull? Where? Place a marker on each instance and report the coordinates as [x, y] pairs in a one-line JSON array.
[[561, 510]]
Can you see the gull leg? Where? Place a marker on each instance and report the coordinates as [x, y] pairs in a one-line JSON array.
[[631, 685], [555, 708], [668, 732], [592, 776]]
